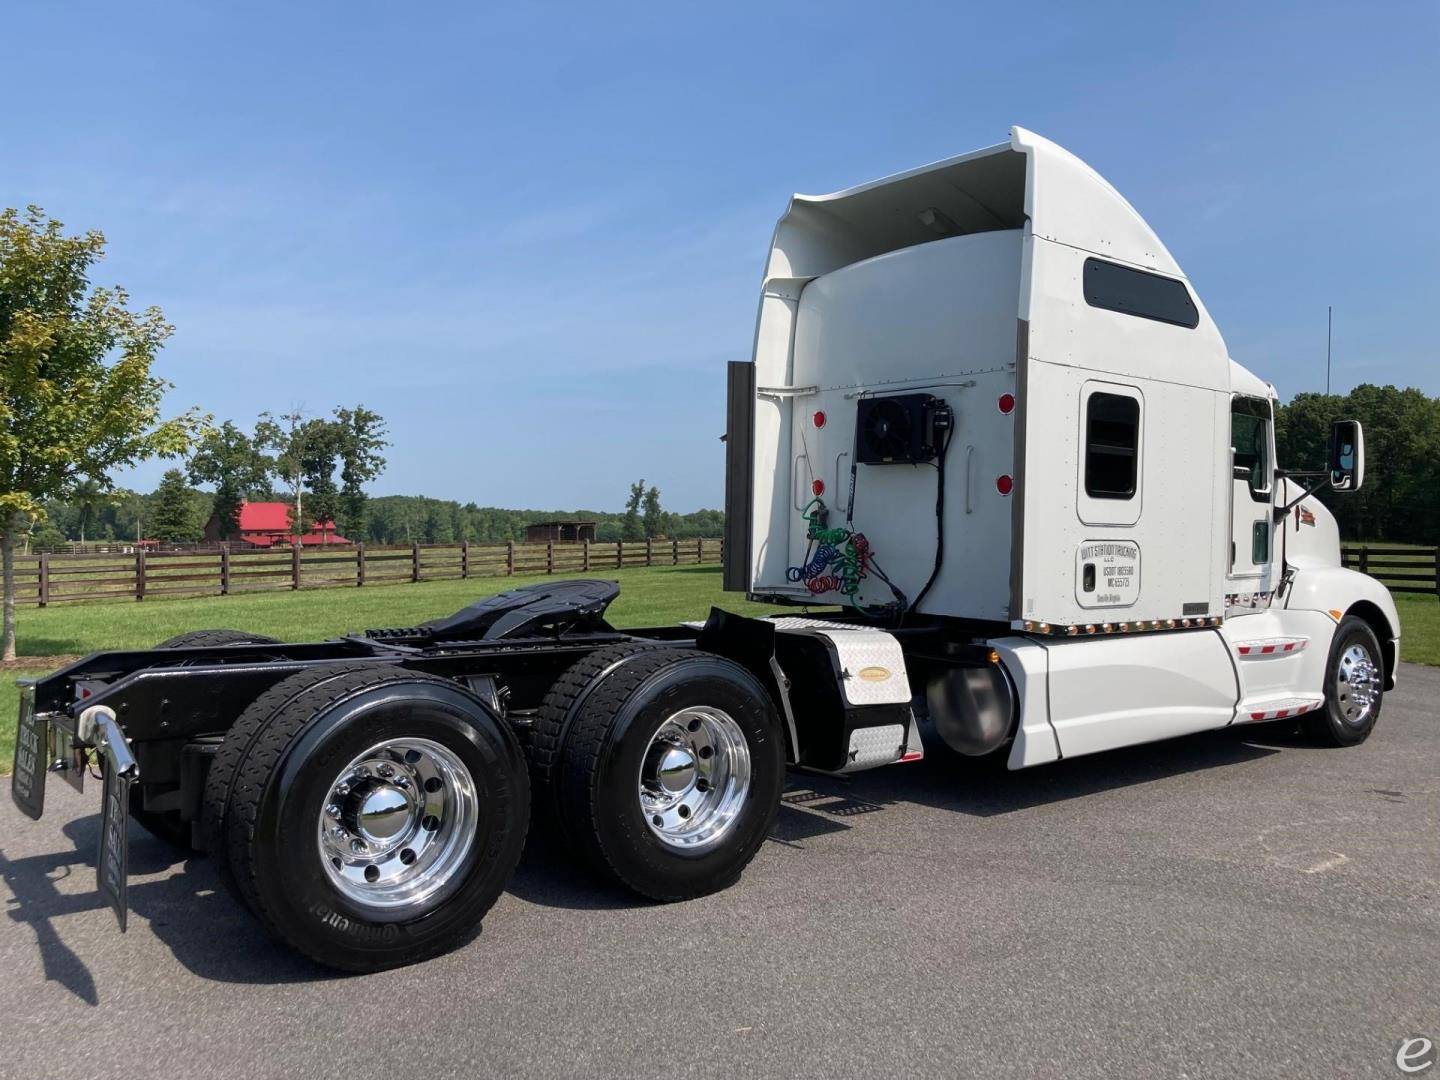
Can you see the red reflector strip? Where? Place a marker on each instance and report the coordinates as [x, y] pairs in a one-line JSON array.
[[1271, 647], [1281, 714], [913, 755]]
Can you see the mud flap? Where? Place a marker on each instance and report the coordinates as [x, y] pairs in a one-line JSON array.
[[32, 736], [112, 866]]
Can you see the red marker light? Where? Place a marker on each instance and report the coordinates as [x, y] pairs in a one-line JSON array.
[[818, 487], [819, 419], [1004, 484], [1007, 403]]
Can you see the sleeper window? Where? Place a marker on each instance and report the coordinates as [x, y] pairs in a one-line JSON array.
[[1112, 436], [1138, 292]]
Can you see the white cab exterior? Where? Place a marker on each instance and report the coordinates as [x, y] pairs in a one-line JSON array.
[[1120, 618]]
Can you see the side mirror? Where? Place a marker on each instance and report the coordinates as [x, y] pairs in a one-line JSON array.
[[1347, 455]]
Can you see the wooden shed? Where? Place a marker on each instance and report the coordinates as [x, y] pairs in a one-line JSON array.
[[559, 532]]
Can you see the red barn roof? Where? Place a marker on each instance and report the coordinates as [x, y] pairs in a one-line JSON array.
[[267, 523], [266, 517]]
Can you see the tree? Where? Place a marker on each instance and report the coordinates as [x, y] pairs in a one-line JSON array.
[[76, 395], [319, 449], [285, 435], [306, 455], [132, 510], [360, 434], [654, 521], [89, 498], [439, 525], [46, 537], [173, 519], [237, 467], [632, 528]]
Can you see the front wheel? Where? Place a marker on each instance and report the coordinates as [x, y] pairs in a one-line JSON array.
[[1354, 688]]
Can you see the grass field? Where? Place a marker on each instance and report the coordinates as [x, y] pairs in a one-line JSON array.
[[1419, 628], [648, 597]]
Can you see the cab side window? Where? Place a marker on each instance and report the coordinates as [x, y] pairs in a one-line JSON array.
[[1250, 443], [1112, 437]]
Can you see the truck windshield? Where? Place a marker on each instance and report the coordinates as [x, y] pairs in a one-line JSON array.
[[1250, 441]]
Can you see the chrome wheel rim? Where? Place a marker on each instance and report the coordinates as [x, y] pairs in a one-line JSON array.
[[1357, 685], [694, 778], [398, 822]]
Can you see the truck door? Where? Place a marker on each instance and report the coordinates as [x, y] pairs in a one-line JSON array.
[[1252, 523]]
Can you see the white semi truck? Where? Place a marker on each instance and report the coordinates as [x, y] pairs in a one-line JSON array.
[[991, 447], [990, 376]]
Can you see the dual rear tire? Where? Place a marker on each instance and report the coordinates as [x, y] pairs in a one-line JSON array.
[[663, 767], [368, 817]]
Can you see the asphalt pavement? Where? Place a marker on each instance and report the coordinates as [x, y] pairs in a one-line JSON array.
[[1211, 906]]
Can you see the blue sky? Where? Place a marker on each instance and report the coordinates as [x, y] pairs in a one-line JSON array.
[[531, 236]]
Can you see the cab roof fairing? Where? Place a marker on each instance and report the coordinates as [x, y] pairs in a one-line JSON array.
[[1027, 183], [978, 191], [1070, 203]]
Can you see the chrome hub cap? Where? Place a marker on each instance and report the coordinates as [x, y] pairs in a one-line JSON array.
[[1357, 685], [673, 768], [398, 823], [381, 813], [694, 778]]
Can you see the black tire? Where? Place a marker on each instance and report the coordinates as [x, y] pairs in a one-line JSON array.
[[167, 825], [194, 639], [270, 780], [557, 709], [602, 743], [1330, 725]]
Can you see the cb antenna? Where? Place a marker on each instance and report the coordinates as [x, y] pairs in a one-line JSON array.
[[1329, 334]]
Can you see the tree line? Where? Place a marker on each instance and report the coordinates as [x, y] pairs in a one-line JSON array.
[[404, 519], [294, 460], [176, 512], [1400, 499]]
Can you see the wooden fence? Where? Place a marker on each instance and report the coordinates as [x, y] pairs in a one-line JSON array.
[[1401, 570], [55, 578], [51, 579]]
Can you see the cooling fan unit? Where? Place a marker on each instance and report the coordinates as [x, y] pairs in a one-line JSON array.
[[899, 429]]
